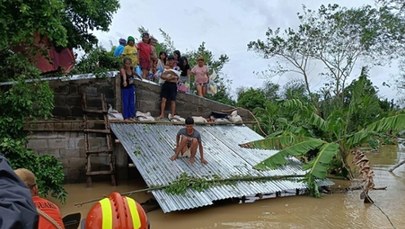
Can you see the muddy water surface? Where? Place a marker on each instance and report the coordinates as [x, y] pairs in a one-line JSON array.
[[339, 210]]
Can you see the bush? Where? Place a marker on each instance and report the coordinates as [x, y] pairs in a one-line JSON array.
[[22, 101], [48, 170]]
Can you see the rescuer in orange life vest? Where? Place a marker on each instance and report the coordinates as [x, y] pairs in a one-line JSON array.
[[116, 212], [49, 214]]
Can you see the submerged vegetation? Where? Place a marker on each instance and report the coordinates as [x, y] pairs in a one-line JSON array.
[[322, 128], [184, 182]]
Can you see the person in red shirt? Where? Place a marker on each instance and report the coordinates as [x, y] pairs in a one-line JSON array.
[[49, 213], [145, 53]]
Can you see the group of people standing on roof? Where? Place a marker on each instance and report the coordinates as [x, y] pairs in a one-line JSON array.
[[172, 71]]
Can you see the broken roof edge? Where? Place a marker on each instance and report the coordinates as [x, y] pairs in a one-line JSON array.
[[241, 190], [109, 74], [178, 123]]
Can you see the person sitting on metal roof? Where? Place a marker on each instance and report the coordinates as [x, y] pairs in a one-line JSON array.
[[187, 140]]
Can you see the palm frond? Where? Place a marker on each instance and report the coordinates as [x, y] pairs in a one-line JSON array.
[[298, 149], [319, 166]]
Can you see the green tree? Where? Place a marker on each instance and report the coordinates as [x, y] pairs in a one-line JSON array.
[[295, 89], [80, 18], [368, 109], [271, 90], [335, 37], [27, 101], [251, 98], [66, 23], [332, 139], [97, 61]]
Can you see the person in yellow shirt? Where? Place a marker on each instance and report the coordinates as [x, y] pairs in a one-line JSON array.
[[131, 51]]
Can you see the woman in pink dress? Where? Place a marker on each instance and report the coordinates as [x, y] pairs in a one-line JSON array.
[[200, 72]]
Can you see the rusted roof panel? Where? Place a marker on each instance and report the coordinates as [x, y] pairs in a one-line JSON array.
[[151, 145]]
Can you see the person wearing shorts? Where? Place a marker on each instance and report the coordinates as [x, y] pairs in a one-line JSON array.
[[187, 140], [200, 71], [168, 90]]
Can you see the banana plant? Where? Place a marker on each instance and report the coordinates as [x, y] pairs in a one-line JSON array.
[[330, 140]]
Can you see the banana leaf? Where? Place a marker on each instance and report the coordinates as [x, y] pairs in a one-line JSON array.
[[275, 142], [396, 123], [319, 166], [317, 121], [358, 138], [279, 159]]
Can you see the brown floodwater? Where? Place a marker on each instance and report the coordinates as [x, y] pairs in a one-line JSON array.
[[338, 210]]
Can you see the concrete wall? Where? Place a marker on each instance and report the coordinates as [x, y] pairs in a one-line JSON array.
[[68, 95], [64, 137], [148, 99], [67, 147], [68, 98]]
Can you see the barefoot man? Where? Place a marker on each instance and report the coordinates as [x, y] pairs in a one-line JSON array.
[[187, 139]]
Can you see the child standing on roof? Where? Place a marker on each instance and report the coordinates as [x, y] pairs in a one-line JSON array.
[[200, 71]]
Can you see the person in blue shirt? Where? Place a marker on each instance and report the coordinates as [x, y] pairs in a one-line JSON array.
[[120, 48], [17, 210]]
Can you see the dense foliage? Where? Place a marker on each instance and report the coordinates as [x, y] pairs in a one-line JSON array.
[[323, 127], [26, 101], [97, 61], [67, 23]]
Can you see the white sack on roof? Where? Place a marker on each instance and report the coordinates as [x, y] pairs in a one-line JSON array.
[[144, 117], [199, 120], [235, 118]]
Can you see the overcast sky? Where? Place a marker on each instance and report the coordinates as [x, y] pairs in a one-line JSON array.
[[226, 26]]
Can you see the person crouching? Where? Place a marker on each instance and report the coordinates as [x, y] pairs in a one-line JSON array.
[[188, 139]]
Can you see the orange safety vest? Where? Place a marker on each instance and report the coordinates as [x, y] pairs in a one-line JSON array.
[[51, 210]]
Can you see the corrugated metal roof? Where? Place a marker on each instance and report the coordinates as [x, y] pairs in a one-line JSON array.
[[151, 145]]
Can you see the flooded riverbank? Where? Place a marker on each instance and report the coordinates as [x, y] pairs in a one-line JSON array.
[[340, 210]]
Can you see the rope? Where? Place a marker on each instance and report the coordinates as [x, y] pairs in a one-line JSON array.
[[388, 218]]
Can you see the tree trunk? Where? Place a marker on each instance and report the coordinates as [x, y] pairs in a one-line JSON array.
[[396, 166]]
